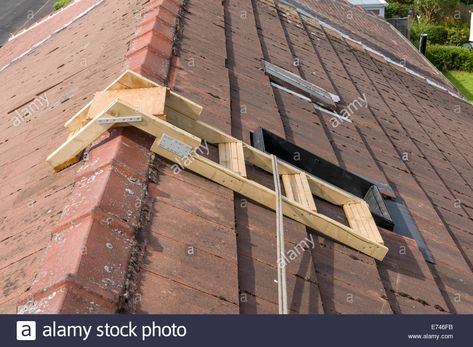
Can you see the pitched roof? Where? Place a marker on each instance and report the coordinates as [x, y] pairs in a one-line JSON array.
[[182, 244]]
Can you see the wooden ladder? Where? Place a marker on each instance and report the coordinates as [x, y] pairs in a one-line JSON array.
[[174, 121]]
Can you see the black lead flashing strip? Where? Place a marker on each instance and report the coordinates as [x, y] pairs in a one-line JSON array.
[[288, 79], [321, 168], [405, 226], [378, 208]]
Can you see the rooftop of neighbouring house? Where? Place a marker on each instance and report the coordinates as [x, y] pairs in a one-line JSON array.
[[369, 2], [183, 244]]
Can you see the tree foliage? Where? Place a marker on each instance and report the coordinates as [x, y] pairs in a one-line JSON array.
[[431, 10]]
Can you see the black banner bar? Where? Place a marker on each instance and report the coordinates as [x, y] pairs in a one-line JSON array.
[[152, 330]]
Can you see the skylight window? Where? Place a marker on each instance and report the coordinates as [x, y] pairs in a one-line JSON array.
[[317, 166], [387, 210]]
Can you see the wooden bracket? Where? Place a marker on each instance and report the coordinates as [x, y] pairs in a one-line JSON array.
[[131, 95], [131, 88], [75, 144], [174, 121]]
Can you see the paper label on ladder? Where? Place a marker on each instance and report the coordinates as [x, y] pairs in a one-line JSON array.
[[175, 146]]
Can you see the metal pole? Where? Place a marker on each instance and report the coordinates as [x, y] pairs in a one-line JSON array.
[[281, 263], [423, 44]]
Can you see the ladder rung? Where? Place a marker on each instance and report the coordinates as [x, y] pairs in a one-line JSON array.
[[232, 157], [297, 188], [359, 218]]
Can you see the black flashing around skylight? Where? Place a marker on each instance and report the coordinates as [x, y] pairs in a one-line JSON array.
[[319, 167], [405, 226], [378, 208], [390, 213]]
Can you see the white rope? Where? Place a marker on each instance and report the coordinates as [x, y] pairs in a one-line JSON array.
[[281, 263]]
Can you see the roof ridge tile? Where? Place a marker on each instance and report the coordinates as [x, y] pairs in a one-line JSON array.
[[86, 262]]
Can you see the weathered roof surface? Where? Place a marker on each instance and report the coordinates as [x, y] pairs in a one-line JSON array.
[[206, 249], [40, 92], [220, 67]]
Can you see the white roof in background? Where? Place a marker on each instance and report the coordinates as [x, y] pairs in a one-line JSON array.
[[369, 2]]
